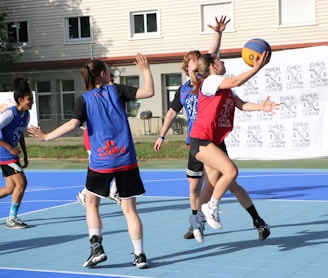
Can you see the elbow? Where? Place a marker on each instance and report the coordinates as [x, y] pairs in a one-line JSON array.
[[150, 93]]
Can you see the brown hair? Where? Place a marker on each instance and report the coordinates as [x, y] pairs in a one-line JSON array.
[[91, 73], [190, 55], [202, 70]]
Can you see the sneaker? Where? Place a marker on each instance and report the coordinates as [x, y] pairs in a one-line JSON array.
[[81, 198], [115, 197], [263, 228], [14, 222], [198, 228], [189, 234], [140, 261], [212, 216], [97, 253]]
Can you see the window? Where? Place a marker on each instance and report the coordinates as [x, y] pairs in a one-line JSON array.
[[144, 24], [67, 98], [132, 106], [78, 29], [17, 33], [6, 87], [172, 83], [296, 13], [210, 11], [44, 99]]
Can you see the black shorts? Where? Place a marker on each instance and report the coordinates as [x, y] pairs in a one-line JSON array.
[[129, 183], [11, 169], [195, 143], [195, 168]]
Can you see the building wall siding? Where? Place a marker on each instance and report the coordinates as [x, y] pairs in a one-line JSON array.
[[179, 27], [180, 32]]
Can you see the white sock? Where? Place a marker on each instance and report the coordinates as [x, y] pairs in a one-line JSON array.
[[138, 246], [95, 232], [213, 202]]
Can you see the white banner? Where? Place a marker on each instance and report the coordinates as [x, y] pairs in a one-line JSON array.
[[298, 80], [7, 99]]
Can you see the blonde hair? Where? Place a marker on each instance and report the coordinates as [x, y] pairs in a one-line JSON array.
[[202, 70]]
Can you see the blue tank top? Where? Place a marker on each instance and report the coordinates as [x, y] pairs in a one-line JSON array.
[[190, 104], [112, 147], [12, 133]]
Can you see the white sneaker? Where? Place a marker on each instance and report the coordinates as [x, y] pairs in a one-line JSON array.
[[115, 197], [81, 198], [198, 228], [14, 222], [212, 216]]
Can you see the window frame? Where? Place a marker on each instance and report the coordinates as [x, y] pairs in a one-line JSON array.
[[145, 34], [80, 39], [125, 80], [308, 10], [62, 94], [44, 94], [19, 44], [170, 90], [225, 7]]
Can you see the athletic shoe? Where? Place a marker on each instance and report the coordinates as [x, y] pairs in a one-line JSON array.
[[140, 261], [14, 222], [198, 228], [263, 228], [115, 197], [81, 198], [189, 234], [212, 215], [97, 253]]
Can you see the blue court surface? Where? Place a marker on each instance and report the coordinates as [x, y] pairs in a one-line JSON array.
[[293, 202]]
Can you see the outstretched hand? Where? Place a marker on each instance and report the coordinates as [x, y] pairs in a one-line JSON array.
[[35, 132], [269, 106], [219, 26]]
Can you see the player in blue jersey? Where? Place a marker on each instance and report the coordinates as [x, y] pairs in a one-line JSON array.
[[185, 99], [13, 122], [112, 151]]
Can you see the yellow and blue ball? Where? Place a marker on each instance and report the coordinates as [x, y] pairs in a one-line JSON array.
[[252, 48]]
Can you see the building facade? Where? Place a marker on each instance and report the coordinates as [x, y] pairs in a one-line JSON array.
[[57, 37]]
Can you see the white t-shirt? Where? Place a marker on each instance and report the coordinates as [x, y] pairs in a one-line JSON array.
[[211, 85]]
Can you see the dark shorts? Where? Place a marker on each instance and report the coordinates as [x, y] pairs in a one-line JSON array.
[[11, 169], [195, 143], [129, 183], [195, 168]]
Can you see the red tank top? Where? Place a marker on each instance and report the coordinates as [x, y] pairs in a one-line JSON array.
[[215, 116]]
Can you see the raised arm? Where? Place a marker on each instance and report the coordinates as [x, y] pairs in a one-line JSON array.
[[232, 82], [218, 28], [148, 89]]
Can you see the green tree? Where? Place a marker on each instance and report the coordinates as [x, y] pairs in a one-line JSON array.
[[8, 54]]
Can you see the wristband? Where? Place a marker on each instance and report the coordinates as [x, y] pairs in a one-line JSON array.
[[161, 138]]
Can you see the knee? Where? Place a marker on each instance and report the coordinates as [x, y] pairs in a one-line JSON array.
[[231, 176], [233, 173]]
